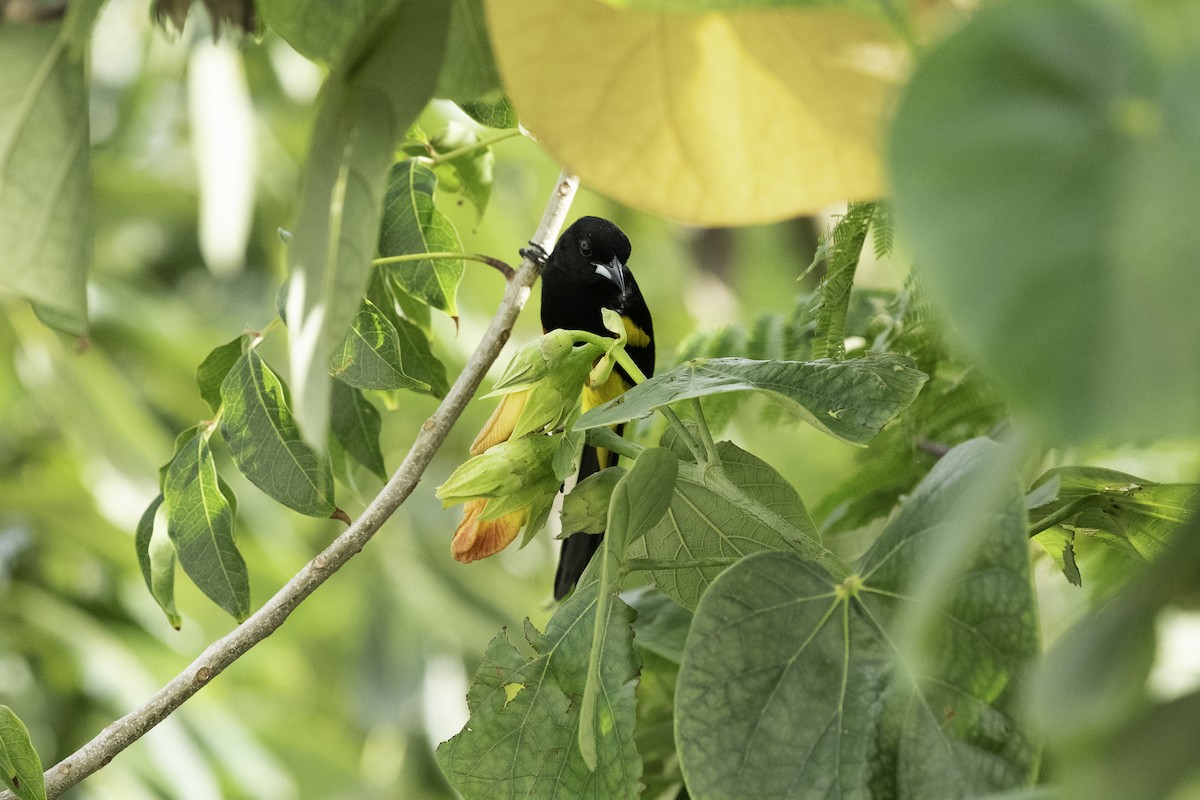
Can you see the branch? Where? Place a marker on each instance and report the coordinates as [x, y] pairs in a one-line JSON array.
[[223, 652]]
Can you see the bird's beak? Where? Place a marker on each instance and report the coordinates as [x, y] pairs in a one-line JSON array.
[[614, 271]]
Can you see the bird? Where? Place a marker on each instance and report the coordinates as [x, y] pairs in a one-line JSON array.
[[587, 271]]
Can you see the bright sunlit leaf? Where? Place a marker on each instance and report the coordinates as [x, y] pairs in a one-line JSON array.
[[716, 118]]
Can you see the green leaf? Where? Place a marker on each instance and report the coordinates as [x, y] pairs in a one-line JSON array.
[[492, 110], [642, 497], [330, 31], [639, 501], [20, 767], [200, 525], [371, 357], [412, 331], [585, 508], [362, 114], [1092, 683], [45, 174], [265, 441], [1056, 120], [851, 400], [662, 624], [469, 71], [156, 557], [654, 735], [1146, 760], [791, 678], [356, 426], [841, 253], [473, 169], [521, 738], [1134, 515], [711, 523], [214, 368], [412, 224]]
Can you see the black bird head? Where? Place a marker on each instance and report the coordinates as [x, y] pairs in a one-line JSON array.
[[591, 256]]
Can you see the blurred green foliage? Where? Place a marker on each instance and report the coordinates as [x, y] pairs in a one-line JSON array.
[[349, 699]]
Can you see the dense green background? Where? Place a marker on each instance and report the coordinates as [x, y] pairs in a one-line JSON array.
[[350, 697]]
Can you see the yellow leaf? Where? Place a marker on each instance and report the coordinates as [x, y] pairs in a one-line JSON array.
[[710, 118]]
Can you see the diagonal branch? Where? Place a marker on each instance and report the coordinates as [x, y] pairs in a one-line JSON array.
[[223, 652]]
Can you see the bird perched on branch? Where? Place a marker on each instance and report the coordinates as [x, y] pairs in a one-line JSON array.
[[587, 271]]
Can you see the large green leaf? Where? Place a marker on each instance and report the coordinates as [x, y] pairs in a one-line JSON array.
[[156, 557], [412, 224], [45, 174], [469, 71], [356, 425], [363, 112], [521, 738], [265, 441], [200, 524], [719, 514], [851, 400], [20, 767], [792, 685], [1046, 173], [332, 31]]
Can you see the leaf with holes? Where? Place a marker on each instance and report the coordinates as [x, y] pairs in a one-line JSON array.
[[521, 738]]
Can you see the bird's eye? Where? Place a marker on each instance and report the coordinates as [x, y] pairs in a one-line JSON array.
[[585, 249]]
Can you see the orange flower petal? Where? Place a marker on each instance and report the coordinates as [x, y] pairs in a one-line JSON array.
[[475, 538]]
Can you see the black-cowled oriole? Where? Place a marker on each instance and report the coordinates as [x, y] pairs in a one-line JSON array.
[[586, 272]]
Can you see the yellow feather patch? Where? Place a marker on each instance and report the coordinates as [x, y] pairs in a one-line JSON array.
[[594, 396], [636, 336]]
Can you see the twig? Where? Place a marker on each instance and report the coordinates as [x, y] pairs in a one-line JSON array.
[[495, 263], [223, 652]]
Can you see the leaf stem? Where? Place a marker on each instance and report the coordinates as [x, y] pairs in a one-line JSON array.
[[1066, 512], [222, 653], [450, 155], [706, 438], [608, 439], [495, 263]]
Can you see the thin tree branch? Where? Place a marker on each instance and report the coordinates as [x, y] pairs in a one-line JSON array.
[[223, 652]]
